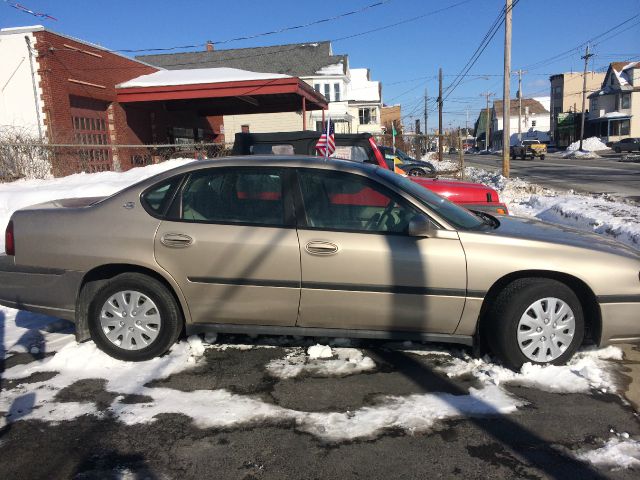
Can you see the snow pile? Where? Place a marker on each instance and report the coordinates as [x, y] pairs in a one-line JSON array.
[[599, 214], [584, 155], [591, 144], [319, 351], [618, 453], [588, 370], [23, 193], [339, 363], [193, 76]]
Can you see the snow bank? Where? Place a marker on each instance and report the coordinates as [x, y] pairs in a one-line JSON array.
[[591, 144], [593, 213], [617, 453], [340, 362], [23, 193], [584, 155], [588, 370]]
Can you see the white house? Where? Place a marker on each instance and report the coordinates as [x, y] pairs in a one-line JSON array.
[[314, 63], [535, 120], [614, 110]]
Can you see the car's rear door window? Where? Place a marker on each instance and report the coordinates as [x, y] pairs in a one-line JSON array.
[[347, 202], [243, 196]]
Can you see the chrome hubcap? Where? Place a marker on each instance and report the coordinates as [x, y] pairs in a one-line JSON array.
[[546, 329], [130, 320]]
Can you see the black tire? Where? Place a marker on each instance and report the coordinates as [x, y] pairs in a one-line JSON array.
[[504, 315], [523, 156], [417, 172], [617, 150], [541, 157], [169, 329]]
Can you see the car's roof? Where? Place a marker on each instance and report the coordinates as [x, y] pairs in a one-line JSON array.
[[291, 161]]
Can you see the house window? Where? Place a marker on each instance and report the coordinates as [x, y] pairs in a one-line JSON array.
[[316, 87], [245, 129], [625, 101], [533, 123], [327, 91], [336, 92], [368, 116]]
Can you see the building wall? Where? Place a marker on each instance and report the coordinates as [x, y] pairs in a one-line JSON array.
[[374, 127], [265, 123], [17, 100], [635, 107]]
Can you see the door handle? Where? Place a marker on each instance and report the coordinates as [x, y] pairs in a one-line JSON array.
[[176, 240], [320, 247]]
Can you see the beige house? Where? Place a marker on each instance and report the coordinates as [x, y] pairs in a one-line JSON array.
[[566, 97], [614, 110]]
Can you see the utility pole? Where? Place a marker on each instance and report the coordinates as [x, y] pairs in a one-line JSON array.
[[440, 114], [586, 58], [460, 154], [426, 120], [506, 93], [487, 130], [520, 72]]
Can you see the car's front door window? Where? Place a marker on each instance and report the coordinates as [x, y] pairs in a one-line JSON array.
[[347, 202]]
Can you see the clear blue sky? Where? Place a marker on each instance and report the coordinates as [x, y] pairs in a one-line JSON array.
[[397, 56]]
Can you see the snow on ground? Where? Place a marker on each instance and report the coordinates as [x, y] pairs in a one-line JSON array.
[[23, 193], [323, 362], [593, 213], [219, 408], [617, 453], [591, 144]]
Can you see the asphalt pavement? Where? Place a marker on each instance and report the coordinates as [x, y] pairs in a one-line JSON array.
[[533, 443], [606, 175]]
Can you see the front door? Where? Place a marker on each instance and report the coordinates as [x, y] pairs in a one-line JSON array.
[[360, 269], [232, 247]]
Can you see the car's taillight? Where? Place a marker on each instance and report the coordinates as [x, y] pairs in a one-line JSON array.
[[9, 240], [502, 209]]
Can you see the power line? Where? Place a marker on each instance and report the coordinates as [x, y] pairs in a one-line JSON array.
[[263, 34]]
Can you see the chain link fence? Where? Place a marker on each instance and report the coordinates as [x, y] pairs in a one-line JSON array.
[[27, 159]]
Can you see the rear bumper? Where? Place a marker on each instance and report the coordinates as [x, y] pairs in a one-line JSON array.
[[620, 323], [42, 290]]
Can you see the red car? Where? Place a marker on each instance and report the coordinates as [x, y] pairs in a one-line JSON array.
[[362, 148]]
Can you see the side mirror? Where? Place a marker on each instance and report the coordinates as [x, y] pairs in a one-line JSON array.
[[421, 226]]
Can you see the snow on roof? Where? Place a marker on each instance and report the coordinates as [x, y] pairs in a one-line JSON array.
[[195, 76], [361, 88], [545, 102], [333, 69], [614, 115]]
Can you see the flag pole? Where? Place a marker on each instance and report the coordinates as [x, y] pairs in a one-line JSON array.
[[326, 151]]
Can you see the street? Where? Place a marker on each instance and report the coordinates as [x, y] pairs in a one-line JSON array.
[[603, 175]]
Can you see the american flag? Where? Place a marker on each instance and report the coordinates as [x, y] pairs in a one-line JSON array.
[[327, 143]]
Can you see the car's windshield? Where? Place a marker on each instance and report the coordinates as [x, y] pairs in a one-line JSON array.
[[458, 217]]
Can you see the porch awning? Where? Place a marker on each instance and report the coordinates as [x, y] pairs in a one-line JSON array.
[[221, 91]]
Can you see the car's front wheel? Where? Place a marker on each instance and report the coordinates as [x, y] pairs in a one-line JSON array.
[[134, 317], [535, 320], [417, 172]]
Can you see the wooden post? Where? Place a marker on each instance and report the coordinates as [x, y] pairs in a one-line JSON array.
[[506, 91], [304, 113]]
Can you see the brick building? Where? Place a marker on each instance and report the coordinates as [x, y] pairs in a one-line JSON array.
[[68, 92]]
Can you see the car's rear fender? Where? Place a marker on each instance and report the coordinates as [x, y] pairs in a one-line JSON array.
[[94, 278]]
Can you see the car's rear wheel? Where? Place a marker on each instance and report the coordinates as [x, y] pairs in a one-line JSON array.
[[134, 317], [523, 156], [417, 172], [535, 320], [541, 157]]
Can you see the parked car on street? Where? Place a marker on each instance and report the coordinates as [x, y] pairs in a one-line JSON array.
[[362, 148], [308, 246], [626, 145], [528, 149], [411, 166]]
